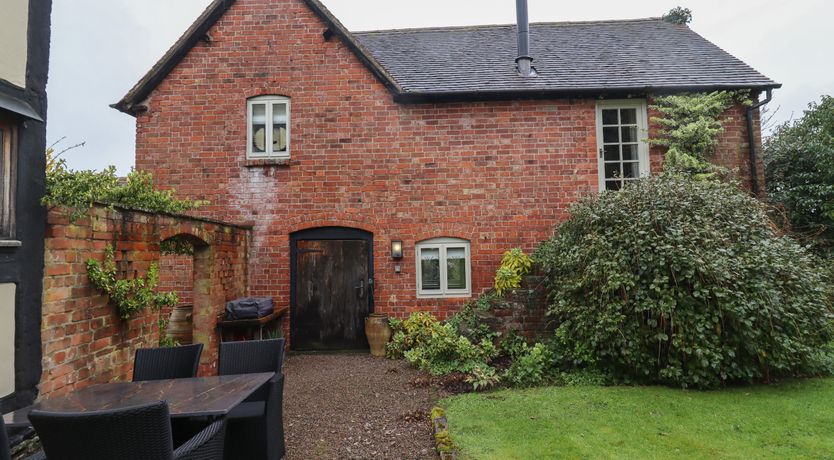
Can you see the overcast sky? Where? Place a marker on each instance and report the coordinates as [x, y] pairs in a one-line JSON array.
[[100, 48]]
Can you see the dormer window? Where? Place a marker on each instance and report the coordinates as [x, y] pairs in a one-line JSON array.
[[268, 127]]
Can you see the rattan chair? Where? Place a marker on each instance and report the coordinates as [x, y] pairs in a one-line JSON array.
[[135, 433], [256, 426], [167, 363]]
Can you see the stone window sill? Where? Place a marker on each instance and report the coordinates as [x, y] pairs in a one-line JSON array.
[[267, 162], [10, 244]]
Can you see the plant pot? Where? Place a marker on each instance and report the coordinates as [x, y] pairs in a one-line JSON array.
[[378, 332], [180, 328]]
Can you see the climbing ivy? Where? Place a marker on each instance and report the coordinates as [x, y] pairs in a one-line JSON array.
[[129, 296], [690, 125], [78, 191]]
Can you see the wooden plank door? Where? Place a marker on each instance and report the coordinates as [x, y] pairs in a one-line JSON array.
[[332, 295]]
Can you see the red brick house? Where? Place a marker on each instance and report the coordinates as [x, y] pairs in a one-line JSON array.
[[341, 147]]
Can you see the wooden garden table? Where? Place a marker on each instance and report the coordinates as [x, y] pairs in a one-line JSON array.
[[195, 397]]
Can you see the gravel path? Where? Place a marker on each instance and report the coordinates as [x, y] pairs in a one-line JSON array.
[[355, 406]]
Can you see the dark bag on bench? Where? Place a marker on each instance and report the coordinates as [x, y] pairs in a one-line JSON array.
[[249, 308]]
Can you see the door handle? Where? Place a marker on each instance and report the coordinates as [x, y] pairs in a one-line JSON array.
[[360, 289]]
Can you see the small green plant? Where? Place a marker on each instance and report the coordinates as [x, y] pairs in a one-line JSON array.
[[678, 15], [531, 368], [483, 377], [128, 296], [514, 265]]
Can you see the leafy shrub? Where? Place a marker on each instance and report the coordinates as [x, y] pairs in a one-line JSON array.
[[684, 282], [482, 377], [514, 265], [80, 190], [678, 15], [416, 331], [531, 368], [799, 168], [446, 352], [512, 345]]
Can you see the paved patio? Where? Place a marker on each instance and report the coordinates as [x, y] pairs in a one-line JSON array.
[[355, 406]]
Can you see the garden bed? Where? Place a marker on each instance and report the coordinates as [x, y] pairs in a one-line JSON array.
[[789, 420]]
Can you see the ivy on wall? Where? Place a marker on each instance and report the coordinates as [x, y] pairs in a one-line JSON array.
[[80, 190], [129, 296], [690, 125]]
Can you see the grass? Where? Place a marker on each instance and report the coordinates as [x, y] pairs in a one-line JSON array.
[[790, 420]]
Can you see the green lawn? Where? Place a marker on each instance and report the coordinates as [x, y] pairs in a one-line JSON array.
[[791, 420]]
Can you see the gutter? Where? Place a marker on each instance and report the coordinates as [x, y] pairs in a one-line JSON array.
[[754, 170]]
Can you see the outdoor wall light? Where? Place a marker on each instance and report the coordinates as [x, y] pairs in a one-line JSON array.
[[396, 249]]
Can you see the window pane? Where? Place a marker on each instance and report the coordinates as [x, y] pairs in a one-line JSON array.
[[630, 152], [631, 170], [612, 152], [456, 268], [612, 170], [613, 185], [609, 117], [610, 135], [430, 269], [629, 134], [628, 116], [279, 127], [258, 116]]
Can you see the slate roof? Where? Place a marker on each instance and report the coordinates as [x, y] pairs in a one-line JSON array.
[[602, 56], [473, 63]]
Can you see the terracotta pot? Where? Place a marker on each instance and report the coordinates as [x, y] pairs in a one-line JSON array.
[[378, 332], [180, 328]]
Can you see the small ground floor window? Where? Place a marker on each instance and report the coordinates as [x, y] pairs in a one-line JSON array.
[[443, 268]]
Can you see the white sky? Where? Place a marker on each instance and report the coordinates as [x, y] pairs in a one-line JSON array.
[[100, 48]]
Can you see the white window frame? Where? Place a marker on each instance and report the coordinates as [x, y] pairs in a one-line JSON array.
[[443, 244], [269, 102], [644, 162]]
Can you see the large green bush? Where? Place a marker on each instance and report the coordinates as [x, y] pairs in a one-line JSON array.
[[685, 282], [799, 168]]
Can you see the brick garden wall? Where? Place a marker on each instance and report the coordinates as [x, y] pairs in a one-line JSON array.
[[84, 341], [499, 174]]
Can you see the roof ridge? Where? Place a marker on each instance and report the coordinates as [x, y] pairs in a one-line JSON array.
[[487, 26]]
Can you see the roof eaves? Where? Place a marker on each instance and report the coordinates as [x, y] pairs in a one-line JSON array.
[[355, 46], [172, 57], [566, 93]]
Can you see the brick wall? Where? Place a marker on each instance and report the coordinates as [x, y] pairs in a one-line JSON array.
[[499, 174], [84, 341]]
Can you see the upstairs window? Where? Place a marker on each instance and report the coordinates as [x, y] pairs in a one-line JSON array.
[[622, 130], [443, 268], [268, 133], [8, 146]]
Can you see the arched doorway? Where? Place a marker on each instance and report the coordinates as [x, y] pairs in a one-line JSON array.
[[331, 288], [185, 268]]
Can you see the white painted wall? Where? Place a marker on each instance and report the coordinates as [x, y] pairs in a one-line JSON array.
[[14, 24], [7, 293]]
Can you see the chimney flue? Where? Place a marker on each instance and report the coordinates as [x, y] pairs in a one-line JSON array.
[[524, 61]]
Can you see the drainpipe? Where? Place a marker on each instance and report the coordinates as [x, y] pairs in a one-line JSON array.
[[754, 173]]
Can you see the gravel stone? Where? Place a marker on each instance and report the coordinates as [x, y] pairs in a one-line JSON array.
[[354, 406]]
